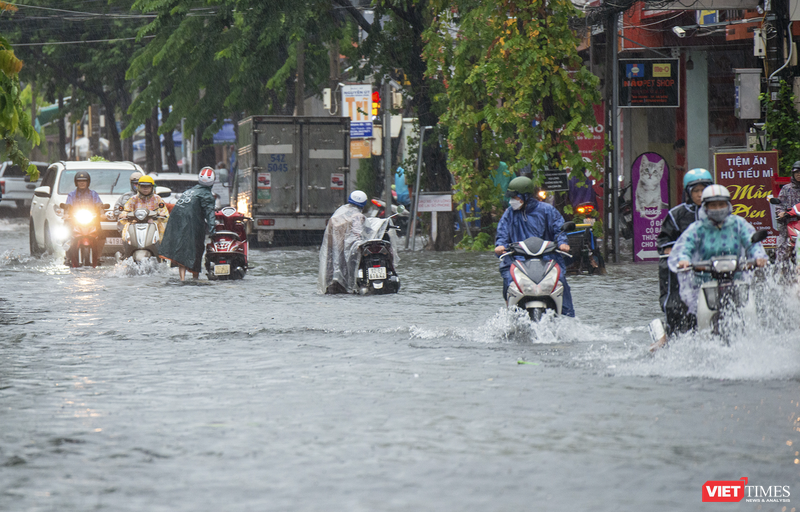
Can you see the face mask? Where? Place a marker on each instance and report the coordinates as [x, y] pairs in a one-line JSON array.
[[515, 204], [718, 216]]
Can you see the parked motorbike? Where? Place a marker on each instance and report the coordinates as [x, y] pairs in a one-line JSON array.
[[81, 249], [226, 254], [586, 255], [140, 238], [723, 295], [536, 287], [401, 215], [376, 269], [626, 213]]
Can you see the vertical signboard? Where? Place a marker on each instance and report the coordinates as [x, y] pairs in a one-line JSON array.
[[650, 202], [748, 175], [357, 105]]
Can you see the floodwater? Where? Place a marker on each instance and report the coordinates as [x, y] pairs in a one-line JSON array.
[[122, 389]]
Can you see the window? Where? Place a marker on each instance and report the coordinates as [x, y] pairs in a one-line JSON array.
[[104, 181]]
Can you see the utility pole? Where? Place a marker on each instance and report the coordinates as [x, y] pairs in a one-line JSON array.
[[388, 172]]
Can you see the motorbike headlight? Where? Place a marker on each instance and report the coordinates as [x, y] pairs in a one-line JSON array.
[[84, 217], [60, 233], [140, 215]]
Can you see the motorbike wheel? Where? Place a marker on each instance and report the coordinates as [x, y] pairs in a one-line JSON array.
[[536, 314], [84, 256]]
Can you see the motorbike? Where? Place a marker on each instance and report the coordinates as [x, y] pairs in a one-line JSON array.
[[585, 252], [723, 295], [626, 213], [226, 254], [399, 213], [140, 238], [376, 269], [536, 287], [81, 250], [792, 219]]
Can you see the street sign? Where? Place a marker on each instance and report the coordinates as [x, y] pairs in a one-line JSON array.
[[649, 202], [748, 175], [555, 180], [357, 105], [648, 83], [360, 148], [435, 202]]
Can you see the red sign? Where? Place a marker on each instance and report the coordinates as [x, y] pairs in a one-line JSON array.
[[724, 490], [749, 177]]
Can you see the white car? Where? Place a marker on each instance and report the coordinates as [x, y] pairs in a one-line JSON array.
[[109, 179], [16, 186]]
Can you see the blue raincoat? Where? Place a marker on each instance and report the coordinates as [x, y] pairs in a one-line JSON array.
[[703, 240], [403, 195], [533, 219]]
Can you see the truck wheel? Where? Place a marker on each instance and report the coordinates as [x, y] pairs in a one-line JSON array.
[[34, 247]]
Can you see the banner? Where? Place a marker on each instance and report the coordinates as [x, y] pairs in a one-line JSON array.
[[748, 175], [357, 105], [650, 203]]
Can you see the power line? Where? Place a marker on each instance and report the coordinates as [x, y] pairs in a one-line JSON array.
[[82, 42]]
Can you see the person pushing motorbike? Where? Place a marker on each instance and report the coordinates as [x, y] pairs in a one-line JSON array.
[[789, 196], [526, 217], [192, 219], [338, 255], [717, 232], [146, 199], [677, 221]]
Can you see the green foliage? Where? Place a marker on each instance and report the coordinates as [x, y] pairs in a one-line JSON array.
[[481, 242], [509, 63], [783, 127], [97, 158], [367, 177], [14, 119]]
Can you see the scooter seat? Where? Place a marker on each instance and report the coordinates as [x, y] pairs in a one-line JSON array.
[[228, 233]]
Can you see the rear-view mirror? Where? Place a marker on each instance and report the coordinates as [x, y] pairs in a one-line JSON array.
[[568, 226], [774, 200], [759, 236], [163, 192]]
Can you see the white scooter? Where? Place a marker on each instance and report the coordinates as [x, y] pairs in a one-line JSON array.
[[141, 239], [535, 285], [724, 294]]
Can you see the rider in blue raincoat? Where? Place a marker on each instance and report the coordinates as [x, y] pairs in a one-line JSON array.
[[717, 232], [527, 217]]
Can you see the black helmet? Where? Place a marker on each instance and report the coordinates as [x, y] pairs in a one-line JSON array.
[[82, 176]]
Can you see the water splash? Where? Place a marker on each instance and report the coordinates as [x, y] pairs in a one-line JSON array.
[[148, 267]]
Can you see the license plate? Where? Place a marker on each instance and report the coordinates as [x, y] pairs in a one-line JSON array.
[[376, 273], [113, 241], [222, 270]]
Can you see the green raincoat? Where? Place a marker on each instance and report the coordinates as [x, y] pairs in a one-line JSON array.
[[190, 220]]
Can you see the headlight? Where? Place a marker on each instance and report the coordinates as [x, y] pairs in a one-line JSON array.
[[84, 217], [60, 233], [140, 214]]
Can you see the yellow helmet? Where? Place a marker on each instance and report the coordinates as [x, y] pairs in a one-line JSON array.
[[147, 179]]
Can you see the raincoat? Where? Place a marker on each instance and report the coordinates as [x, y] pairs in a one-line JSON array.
[[339, 255], [403, 194], [539, 219], [703, 240], [789, 196], [87, 199], [191, 220], [677, 221], [151, 203]]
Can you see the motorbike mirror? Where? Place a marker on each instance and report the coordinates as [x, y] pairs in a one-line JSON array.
[[63, 206], [163, 192], [568, 226], [774, 200], [759, 236], [106, 206], [401, 209]]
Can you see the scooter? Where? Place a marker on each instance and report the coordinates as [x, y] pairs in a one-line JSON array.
[[399, 213], [536, 287], [226, 254], [586, 255], [792, 220], [721, 296], [376, 270], [140, 238], [81, 248]]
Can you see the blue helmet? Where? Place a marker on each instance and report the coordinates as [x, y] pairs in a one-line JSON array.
[[358, 198], [696, 177]]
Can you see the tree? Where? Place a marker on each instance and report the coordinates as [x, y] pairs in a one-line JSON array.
[[14, 120], [516, 89]]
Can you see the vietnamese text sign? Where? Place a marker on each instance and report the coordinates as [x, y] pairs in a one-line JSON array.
[[360, 148], [649, 200], [357, 105], [555, 180], [748, 175], [648, 83], [435, 203]]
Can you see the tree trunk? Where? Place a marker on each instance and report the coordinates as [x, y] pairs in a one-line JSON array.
[[114, 142], [169, 143], [300, 90], [148, 145], [157, 162], [127, 144], [205, 154], [62, 128]]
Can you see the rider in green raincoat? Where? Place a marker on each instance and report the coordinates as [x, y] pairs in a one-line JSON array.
[[190, 220]]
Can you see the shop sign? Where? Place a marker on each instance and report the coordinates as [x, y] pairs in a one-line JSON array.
[[649, 83], [649, 203]]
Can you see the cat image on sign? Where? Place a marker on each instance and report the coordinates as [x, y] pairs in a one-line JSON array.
[[648, 191]]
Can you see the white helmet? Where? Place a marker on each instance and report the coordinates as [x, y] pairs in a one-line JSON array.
[[358, 198], [717, 193], [207, 176]]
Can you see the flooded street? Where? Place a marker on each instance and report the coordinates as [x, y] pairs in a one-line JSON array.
[[123, 389]]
